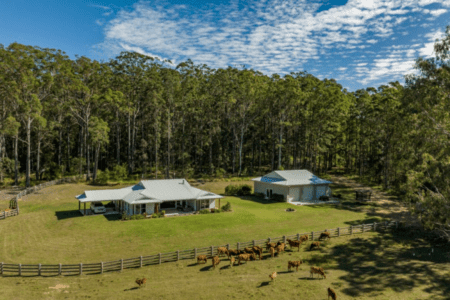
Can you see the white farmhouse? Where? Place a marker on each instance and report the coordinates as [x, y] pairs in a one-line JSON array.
[[153, 196], [294, 185]]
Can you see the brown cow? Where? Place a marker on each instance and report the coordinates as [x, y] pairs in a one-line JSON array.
[[222, 250], [215, 261], [324, 235], [280, 248], [246, 257], [202, 258], [304, 238], [294, 264], [315, 270], [272, 251], [141, 281], [294, 244], [273, 275], [268, 245], [314, 245], [332, 294], [232, 260]]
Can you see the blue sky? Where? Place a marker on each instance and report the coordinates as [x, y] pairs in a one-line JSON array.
[[360, 43]]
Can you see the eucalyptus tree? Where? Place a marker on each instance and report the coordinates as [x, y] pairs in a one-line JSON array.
[[98, 131]]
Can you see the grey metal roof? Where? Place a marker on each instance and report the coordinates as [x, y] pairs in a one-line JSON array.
[[292, 177], [150, 191]]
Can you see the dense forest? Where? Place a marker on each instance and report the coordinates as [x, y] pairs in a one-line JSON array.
[[139, 116]]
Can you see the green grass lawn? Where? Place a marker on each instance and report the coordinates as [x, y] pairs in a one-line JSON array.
[[49, 230], [364, 266]]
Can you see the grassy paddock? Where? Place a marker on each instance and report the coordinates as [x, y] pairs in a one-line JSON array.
[[49, 229], [367, 266]]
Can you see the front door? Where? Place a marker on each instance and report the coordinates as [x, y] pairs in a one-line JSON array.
[[156, 207], [269, 193]]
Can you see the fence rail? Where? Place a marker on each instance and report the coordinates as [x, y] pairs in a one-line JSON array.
[[138, 262], [14, 204]]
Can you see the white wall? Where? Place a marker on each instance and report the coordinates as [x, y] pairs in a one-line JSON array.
[[261, 187], [212, 203], [294, 192]]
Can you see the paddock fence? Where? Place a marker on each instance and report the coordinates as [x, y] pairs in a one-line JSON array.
[[139, 262], [14, 204]]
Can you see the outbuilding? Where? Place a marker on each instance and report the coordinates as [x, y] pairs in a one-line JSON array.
[[152, 196], [294, 185]]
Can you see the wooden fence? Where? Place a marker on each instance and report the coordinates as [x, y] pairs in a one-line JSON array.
[[14, 201], [138, 262]]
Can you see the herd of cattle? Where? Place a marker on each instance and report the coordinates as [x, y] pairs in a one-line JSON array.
[[250, 253]]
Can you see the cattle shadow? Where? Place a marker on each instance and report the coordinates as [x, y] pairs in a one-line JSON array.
[[226, 267], [68, 214], [131, 289], [206, 268], [193, 265], [265, 283], [395, 261]]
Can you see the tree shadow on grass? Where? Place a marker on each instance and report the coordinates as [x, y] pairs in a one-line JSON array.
[[68, 214], [383, 262], [256, 199]]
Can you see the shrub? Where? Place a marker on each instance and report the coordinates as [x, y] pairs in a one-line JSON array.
[[163, 213], [260, 195], [278, 197], [227, 207], [119, 172], [102, 177], [324, 198], [220, 172], [231, 190], [217, 210], [204, 211], [240, 190], [125, 216], [244, 190], [155, 215]]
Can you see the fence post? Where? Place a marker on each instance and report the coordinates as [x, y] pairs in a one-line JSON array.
[[284, 239], [39, 270], [60, 270], [160, 258], [121, 264], [1, 269], [270, 240], [228, 246], [351, 229], [238, 246], [20, 269], [195, 253], [312, 235], [339, 231], [298, 236], [81, 268], [178, 255], [102, 268], [212, 250], [254, 244], [140, 262]]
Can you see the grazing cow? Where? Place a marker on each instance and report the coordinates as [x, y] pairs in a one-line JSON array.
[[294, 264], [314, 245], [233, 252], [246, 257], [222, 250], [141, 281], [332, 294], [304, 238], [249, 250], [294, 244], [202, 258], [272, 251], [324, 235], [315, 270], [258, 251], [268, 245], [232, 260], [273, 275], [280, 248], [215, 261]]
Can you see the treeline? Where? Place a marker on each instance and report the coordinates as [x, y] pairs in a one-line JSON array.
[[61, 116]]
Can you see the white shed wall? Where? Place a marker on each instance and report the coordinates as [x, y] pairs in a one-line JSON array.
[[262, 187], [294, 192]]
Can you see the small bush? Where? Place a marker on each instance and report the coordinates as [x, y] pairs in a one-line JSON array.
[[324, 198], [204, 211], [155, 215], [278, 197], [240, 190], [119, 172], [163, 213], [259, 195], [102, 176], [217, 210], [227, 207], [125, 216]]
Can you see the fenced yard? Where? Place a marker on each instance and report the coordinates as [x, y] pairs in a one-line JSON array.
[[119, 265]]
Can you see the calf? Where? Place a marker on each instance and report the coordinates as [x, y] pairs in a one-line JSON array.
[[249, 250], [273, 276], [215, 261], [314, 245], [246, 257], [315, 270], [272, 251], [268, 245], [232, 260], [294, 264], [258, 251], [202, 258], [332, 294], [233, 252], [141, 281], [304, 238], [280, 248]]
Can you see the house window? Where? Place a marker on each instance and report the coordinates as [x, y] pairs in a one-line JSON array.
[[204, 204]]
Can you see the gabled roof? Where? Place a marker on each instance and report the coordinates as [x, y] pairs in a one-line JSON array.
[[150, 191], [291, 177]]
